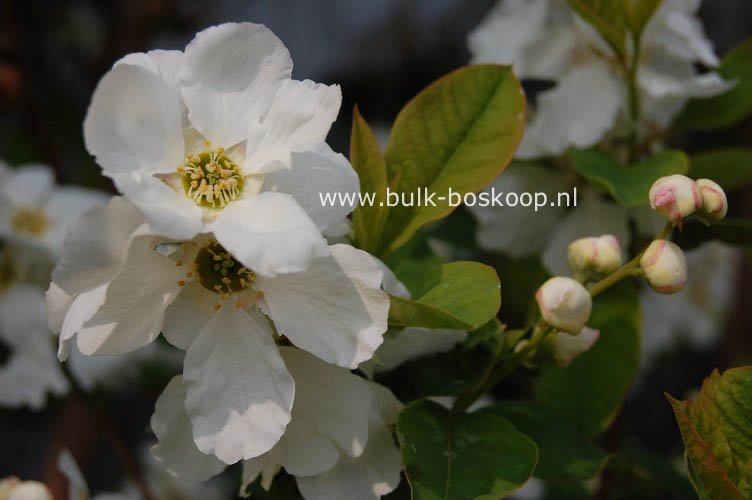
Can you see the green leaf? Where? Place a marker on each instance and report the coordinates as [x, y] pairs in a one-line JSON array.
[[459, 133], [449, 373], [731, 168], [639, 12], [589, 392], [565, 452], [368, 162], [730, 107], [461, 457], [628, 185], [412, 261], [459, 295], [717, 434], [606, 16]]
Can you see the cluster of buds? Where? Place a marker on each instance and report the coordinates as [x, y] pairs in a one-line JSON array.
[[593, 257], [677, 197], [565, 304], [12, 488]]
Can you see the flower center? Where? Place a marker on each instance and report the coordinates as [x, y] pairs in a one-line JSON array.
[[30, 221], [211, 179], [219, 272]]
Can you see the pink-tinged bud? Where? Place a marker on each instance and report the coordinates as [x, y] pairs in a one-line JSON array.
[[714, 203], [594, 256], [665, 266], [565, 348], [26, 490], [675, 197], [564, 304]]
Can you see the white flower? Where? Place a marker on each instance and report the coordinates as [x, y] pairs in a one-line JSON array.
[[594, 256], [545, 39], [665, 266], [32, 370], [564, 304], [675, 197], [220, 139], [565, 348], [714, 203], [338, 444], [239, 393], [35, 212]]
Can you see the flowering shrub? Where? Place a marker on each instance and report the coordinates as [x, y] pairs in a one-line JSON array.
[[344, 351]]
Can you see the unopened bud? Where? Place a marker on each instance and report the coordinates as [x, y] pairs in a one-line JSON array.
[[714, 203], [26, 490], [564, 304], [675, 197], [594, 256], [665, 266], [565, 348]]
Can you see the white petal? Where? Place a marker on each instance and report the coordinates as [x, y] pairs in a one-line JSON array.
[[504, 34], [95, 246], [239, 392], [519, 230], [335, 310], [390, 283], [329, 401], [675, 28], [77, 487], [134, 122], [28, 186], [269, 233], [58, 303], [266, 465], [371, 475], [187, 315], [176, 449], [591, 216], [315, 174], [577, 112], [409, 343], [229, 77], [82, 309], [301, 116], [134, 308], [32, 370], [64, 204], [169, 213]]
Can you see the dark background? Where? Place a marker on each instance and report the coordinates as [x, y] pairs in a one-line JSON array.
[[380, 51]]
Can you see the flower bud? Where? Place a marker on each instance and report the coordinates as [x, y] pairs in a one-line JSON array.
[[13, 489], [564, 304], [594, 256], [714, 203], [565, 348], [665, 266], [675, 197]]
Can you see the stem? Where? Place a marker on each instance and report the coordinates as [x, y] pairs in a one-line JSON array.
[[631, 69], [502, 371], [112, 435], [627, 269]]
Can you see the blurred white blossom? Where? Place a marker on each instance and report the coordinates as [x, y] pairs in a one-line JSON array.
[[546, 40]]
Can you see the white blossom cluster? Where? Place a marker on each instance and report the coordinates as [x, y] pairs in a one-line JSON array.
[[218, 243]]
